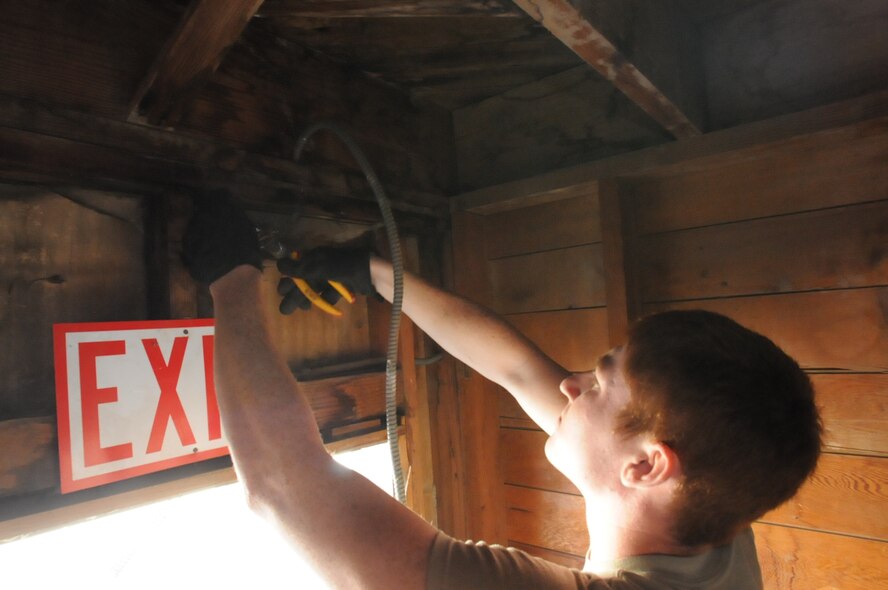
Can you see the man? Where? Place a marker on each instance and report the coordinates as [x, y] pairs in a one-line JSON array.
[[677, 441]]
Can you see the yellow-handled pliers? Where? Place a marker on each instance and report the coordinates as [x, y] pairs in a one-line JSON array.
[[315, 298], [269, 242]]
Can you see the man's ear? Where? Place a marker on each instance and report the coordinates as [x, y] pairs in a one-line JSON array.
[[653, 464]]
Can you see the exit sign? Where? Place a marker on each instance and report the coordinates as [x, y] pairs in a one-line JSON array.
[[134, 398]]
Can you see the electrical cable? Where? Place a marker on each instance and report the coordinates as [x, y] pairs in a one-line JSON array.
[[391, 230]]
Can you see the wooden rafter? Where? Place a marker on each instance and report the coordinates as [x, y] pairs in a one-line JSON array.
[[738, 143], [388, 8], [60, 147], [207, 29], [666, 86]]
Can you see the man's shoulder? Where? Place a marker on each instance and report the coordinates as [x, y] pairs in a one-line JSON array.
[[460, 565], [731, 566], [465, 564]]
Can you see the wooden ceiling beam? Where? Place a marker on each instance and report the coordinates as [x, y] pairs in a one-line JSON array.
[[858, 116], [646, 49], [61, 147], [204, 34], [388, 8]]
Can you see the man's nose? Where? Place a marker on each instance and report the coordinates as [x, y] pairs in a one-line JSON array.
[[572, 386]]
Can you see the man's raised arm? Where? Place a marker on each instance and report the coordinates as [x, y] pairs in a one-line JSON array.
[[482, 340], [353, 534], [471, 333]]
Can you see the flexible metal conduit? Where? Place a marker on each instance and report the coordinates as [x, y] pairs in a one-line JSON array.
[[388, 220]]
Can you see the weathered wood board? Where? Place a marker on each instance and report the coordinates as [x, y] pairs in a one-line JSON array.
[[797, 559], [854, 409], [574, 338], [550, 226], [570, 278], [837, 248], [844, 330], [76, 257]]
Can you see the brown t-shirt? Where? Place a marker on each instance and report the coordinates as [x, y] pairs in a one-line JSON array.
[[457, 565]]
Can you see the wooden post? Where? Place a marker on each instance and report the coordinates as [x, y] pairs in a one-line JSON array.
[[417, 455], [484, 499], [619, 265], [447, 441], [421, 495]]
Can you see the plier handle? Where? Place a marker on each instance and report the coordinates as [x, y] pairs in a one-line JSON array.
[[269, 242], [315, 298]]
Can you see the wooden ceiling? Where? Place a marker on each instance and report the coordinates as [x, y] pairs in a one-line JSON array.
[[450, 94], [451, 54], [705, 11]]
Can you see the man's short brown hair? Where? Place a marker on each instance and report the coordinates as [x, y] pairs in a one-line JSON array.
[[737, 411]]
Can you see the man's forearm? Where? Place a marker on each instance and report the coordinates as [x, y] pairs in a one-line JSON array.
[[264, 416], [351, 532], [482, 340]]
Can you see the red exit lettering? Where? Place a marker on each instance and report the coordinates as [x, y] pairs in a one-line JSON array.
[[91, 395], [214, 422], [132, 398], [169, 404]]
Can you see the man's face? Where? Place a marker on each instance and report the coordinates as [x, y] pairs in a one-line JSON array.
[[585, 446]]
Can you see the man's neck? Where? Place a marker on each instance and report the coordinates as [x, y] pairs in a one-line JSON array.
[[617, 531]]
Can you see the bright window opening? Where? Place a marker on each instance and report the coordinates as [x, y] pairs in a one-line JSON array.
[[205, 539]]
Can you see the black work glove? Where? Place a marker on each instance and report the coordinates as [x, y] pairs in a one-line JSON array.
[[349, 266], [219, 237]]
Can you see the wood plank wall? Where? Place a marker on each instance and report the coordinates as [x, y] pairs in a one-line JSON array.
[[790, 239], [794, 244], [542, 268], [83, 256]]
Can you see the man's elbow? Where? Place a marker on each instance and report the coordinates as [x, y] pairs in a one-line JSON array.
[[257, 497], [271, 487], [256, 502], [259, 492]]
